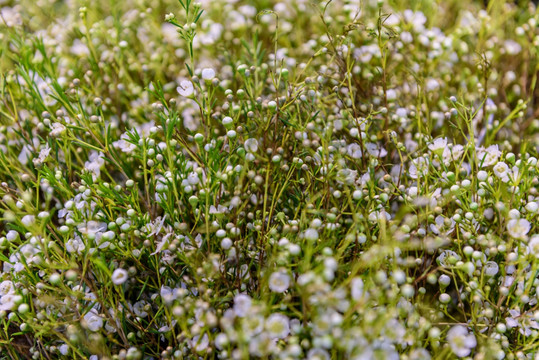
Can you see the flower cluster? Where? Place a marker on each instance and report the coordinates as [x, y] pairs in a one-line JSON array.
[[279, 179]]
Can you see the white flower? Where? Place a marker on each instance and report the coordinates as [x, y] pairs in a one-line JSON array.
[[138, 309], [95, 161], [457, 151], [311, 234], [10, 16], [438, 144], [381, 215], [533, 246], [168, 294], [261, 345], [501, 170], [318, 354], [253, 324], [489, 156], [43, 155], [75, 245], [512, 47], [440, 226], [513, 175], [375, 150], [251, 145], [491, 268], [57, 129], [92, 320], [523, 321], [199, 344], [6, 287], [242, 304], [64, 349], [532, 206], [432, 84], [279, 282], [354, 151], [186, 88], [28, 220], [420, 354], [8, 302], [518, 228], [123, 144], [162, 244], [221, 340], [442, 259], [278, 325], [12, 235], [193, 178], [356, 286], [119, 276], [418, 168], [461, 341], [406, 37], [92, 229], [208, 73]]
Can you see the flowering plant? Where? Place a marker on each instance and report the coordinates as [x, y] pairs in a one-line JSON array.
[[274, 180]]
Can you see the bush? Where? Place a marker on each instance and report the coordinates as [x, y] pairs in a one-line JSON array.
[[258, 179]]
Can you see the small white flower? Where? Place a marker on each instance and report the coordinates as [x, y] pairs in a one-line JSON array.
[[43, 155], [440, 227], [354, 151], [524, 322], [518, 228], [311, 234], [375, 150], [356, 286], [318, 354], [420, 354], [442, 259], [438, 144], [208, 73], [138, 309], [93, 321], [514, 175], [6, 287], [57, 129], [186, 88], [418, 168], [512, 47], [279, 282], [242, 304], [96, 160], [199, 344], [278, 326], [489, 156], [75, 245], [501, 170], [491, 268], [64, 349], [532, 206], [119, 276], [28, 220], [251, 145], [461, 341], [432, 85], [533, 245], [12, 235], [8, 302], [253, 324]]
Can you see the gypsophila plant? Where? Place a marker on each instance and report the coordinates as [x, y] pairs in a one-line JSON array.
[[269, 180]]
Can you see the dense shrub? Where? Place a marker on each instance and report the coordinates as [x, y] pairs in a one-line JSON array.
[[259, 179]]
